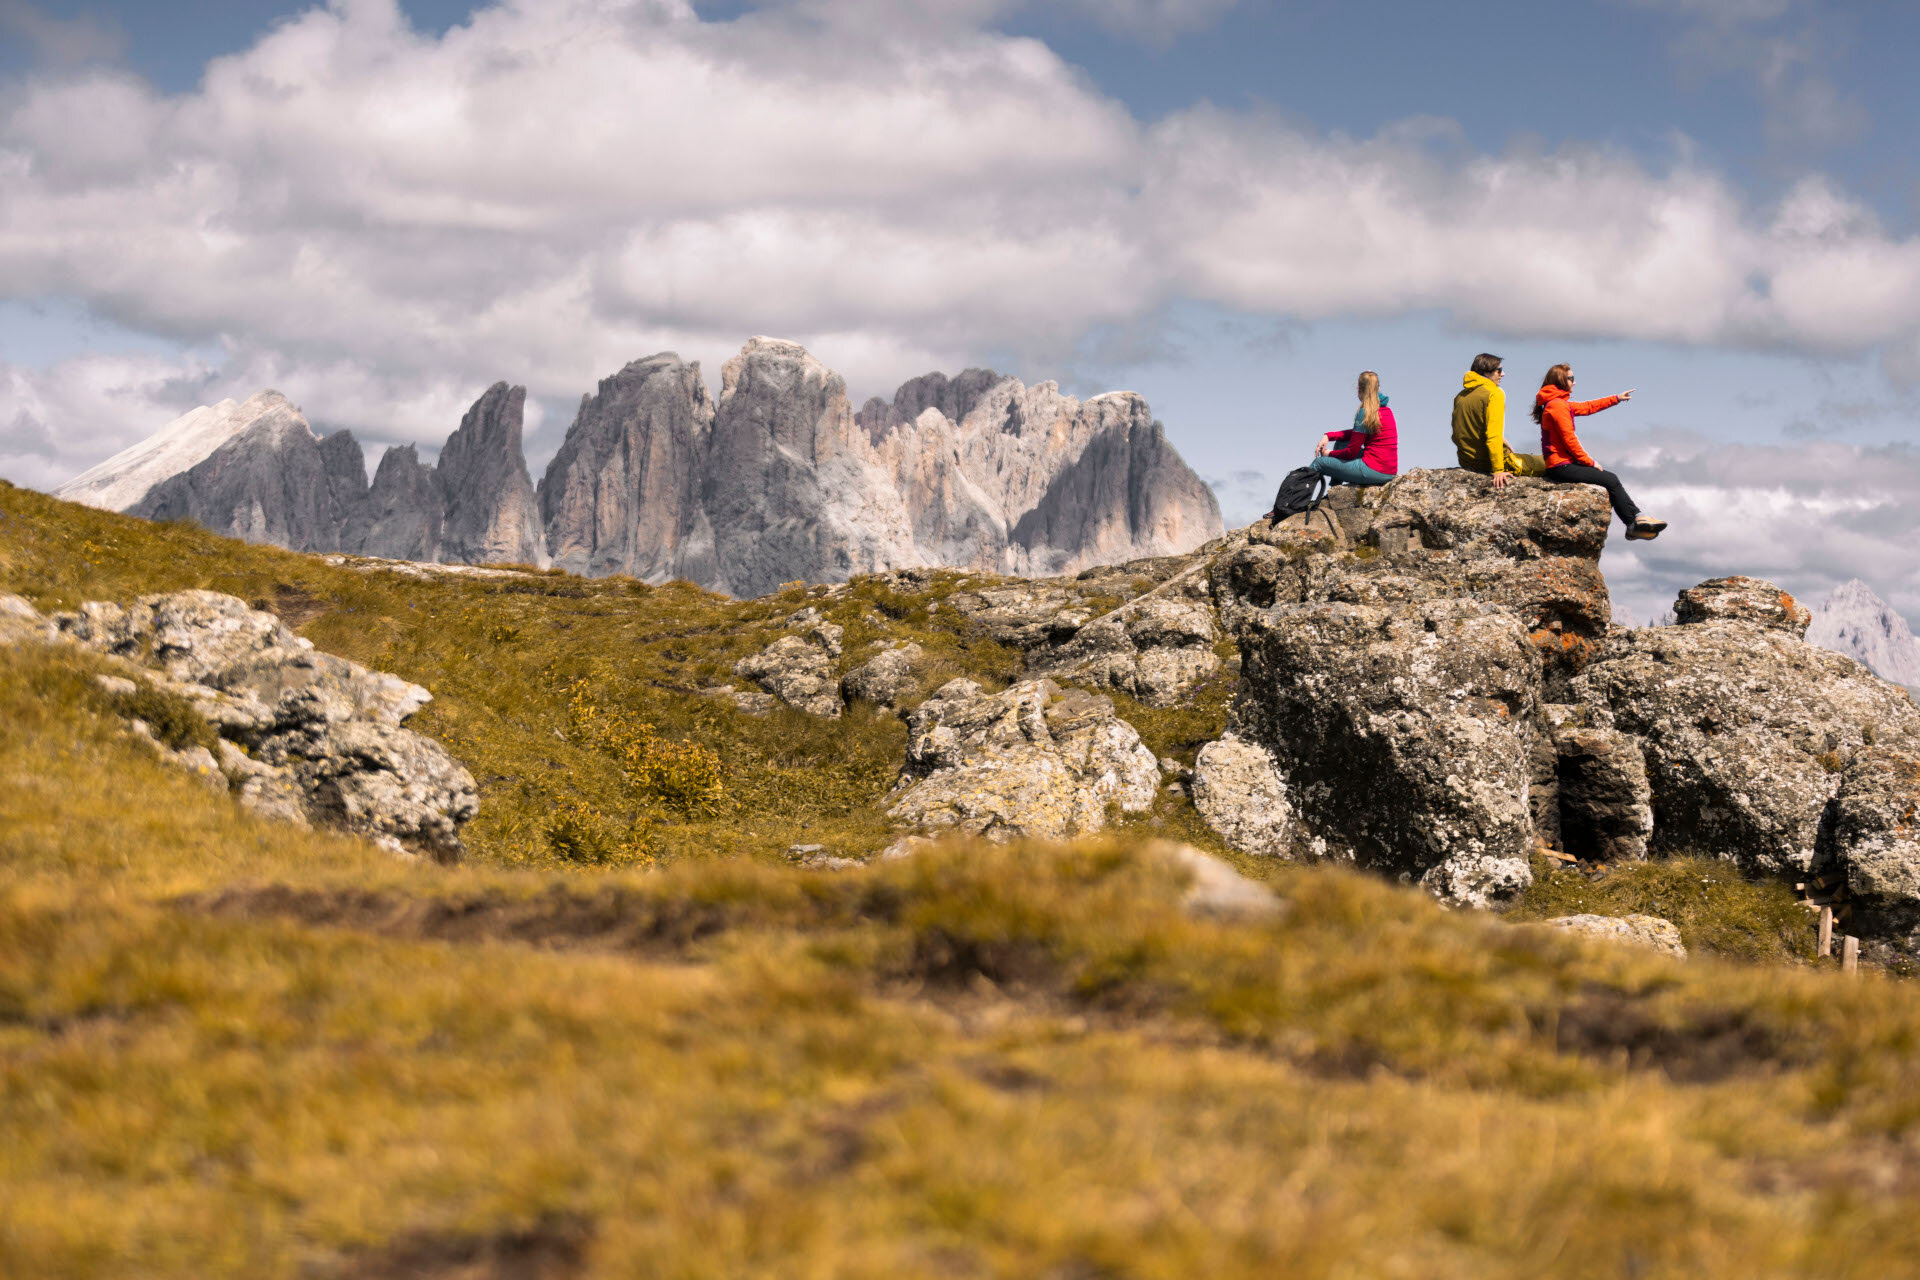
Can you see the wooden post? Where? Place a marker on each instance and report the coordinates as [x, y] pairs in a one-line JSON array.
[[1826, 933], [1850, 954]]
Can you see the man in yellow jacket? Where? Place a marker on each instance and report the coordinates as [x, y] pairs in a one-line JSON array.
[[1480, 426]]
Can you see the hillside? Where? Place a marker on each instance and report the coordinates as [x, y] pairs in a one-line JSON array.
[[627, 1035]]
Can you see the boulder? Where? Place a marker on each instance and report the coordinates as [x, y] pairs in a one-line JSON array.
[[888, 677], [1025, 615], [1745, 730], [1641, 931], [1405, 734], [797, 672], [1741, 599], [306, 736], [1532, 547], [1874, 839], [1239, 792], [392, 785], [1031, 761], [1155, 650]]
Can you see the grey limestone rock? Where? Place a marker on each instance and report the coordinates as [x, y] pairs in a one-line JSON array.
[[1650, 932], [888, 677], [1742, 599], [1239, 792], [1215, 890], [20, 621], [270, 483], [623, 494], [491, 513], [1605, 807], [1031, 761], [1405, 734], [1873, 836], [1745, 731], [796, 671], [306, 735], [1156, 650], [402, 514]]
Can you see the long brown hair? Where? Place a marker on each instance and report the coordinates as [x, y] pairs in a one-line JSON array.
[[1370, 401], [1561, 376]]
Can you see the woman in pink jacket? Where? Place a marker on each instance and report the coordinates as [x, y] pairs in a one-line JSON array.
[[1367, 454]]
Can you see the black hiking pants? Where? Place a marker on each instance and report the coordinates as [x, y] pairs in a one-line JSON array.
[[1574, 473]]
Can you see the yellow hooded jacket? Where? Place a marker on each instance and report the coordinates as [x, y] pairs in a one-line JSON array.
[[1480, 431]]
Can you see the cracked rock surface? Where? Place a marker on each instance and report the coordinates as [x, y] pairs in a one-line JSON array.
[[304, 736], [1032, 761]]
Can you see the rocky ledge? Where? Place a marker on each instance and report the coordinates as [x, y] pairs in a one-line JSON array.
[[1431, 688], [302, 736]]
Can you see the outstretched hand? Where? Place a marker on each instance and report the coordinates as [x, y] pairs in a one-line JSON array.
[[1501, 479], [1627, 394]]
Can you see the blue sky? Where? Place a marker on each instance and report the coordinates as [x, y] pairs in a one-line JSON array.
[[1229, 207]]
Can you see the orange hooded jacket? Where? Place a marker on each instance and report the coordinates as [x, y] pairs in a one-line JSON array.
[[1557, 412]]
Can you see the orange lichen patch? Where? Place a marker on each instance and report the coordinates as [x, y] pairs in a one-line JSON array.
[[1788, 605], [1565, 644]]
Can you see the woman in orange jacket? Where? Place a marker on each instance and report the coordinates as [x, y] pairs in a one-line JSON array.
[[1567, 463]]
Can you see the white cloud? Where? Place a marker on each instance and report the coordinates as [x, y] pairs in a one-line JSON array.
[[382, 222], [1807, 516]]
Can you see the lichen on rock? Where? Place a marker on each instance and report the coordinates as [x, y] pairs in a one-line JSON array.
[[304, 736], [1031, 761]]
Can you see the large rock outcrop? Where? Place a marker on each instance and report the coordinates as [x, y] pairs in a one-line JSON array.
[[123, 480], [1400, 648], [1873, 840], [1745, 730], [1032, 761], [1405, 733], [402, 513], [305, 736]]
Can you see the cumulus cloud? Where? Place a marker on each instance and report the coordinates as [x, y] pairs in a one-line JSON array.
[[1806, 515], [383, 222]]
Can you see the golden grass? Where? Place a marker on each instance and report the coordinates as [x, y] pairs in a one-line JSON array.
[[232, 1048]]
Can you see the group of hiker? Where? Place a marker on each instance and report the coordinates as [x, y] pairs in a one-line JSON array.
[[1368, 453]]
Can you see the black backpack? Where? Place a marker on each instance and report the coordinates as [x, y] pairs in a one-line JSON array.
[[1300, 491]]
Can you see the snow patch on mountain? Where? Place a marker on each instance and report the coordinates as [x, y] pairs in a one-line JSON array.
[[1854, 621], [122, 480]]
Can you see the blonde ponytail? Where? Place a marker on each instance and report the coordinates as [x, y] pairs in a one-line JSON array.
[[1369, 401]]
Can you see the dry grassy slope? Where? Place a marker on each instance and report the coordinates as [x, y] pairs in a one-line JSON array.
[[231, 1048]]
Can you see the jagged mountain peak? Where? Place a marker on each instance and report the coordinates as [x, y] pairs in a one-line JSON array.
[[1854, 620], [775, 479], [124, 479]]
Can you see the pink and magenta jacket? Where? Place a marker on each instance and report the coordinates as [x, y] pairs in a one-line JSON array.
[[1379, 449]]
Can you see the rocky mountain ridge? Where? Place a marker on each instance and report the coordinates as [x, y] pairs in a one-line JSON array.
[[778, 479]]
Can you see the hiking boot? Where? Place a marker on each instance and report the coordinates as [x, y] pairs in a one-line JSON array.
[[1645, 528]]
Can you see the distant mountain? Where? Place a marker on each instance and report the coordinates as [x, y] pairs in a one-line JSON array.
[[776, 480], [1854, 621], [124, 479]]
